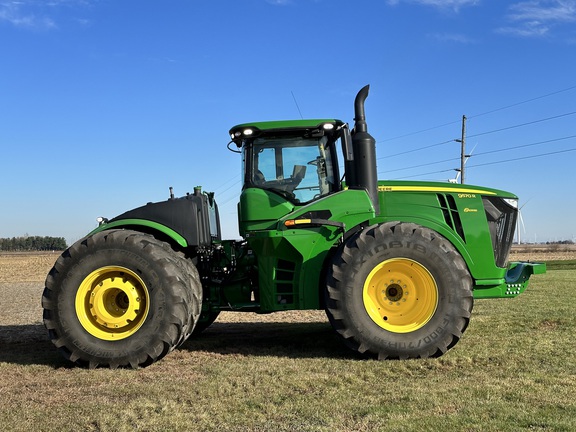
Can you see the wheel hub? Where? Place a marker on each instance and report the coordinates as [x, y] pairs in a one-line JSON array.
[[394, 292], [400, 295], [112, 303], [115, 302]]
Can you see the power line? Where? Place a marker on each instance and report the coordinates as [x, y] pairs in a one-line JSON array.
[[479, 115], [524, 157], [494, 163], [523, 102], [525, 145], [418, 132], [428, 173], [481, 134], [422, 165], [523, 124], [221, 204], [481, 154], [415, 150], [236, 183], [226, 183]]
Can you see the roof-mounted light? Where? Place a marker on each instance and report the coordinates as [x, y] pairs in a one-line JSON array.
[[328, 126], [242, 133]]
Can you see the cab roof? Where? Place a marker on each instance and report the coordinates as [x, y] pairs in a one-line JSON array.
[[247, 130]]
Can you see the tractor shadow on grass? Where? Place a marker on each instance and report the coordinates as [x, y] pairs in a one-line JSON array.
[[276, 339], [28, 345]]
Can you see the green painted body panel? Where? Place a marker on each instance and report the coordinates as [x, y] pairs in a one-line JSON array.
[[514, 284], [291, 260], [259, 209]]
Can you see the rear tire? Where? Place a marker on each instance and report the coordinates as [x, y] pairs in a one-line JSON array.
[[119, 298], [194, 287], [399, 290]]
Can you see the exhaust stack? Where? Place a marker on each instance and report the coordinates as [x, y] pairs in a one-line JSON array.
[[364, 148]]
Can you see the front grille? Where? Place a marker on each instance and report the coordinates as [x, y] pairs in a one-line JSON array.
[[501, 222]]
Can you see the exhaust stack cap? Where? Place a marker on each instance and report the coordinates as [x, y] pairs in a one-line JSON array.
[[359, 114]]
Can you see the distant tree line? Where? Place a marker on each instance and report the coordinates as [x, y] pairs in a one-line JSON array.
[[32, 243], [561, 242]]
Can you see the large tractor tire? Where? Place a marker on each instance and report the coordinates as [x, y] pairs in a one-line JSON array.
[[192, 277], [399, 291], [120, 298]]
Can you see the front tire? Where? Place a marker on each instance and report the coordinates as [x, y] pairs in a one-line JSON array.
[[399, 290], [118, 298]]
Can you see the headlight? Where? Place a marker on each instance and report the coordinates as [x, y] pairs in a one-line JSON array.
[[512, 202], [101, 220]]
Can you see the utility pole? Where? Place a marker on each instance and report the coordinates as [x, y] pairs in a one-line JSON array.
[[463, 149], [462, 141]]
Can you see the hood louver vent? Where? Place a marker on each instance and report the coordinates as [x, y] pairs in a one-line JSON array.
[[451, 215]]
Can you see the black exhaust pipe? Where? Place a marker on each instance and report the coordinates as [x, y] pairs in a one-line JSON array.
[[364, 147]]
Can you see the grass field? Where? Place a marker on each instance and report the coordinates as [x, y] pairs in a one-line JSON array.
[[514, 369]]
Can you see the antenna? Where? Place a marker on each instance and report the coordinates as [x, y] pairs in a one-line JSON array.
[[296, 102]]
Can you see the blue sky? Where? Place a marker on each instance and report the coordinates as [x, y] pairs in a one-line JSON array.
[[105, 104]]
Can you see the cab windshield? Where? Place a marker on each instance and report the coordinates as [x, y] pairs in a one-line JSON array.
[[300, 169]]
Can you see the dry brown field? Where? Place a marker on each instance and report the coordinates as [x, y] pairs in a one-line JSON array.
[[26, 266], [542, 252]]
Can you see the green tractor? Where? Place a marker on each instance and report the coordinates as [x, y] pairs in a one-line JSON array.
[[396, 265]]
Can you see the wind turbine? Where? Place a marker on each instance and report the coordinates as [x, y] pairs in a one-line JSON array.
[[458, 171], [521, 220]]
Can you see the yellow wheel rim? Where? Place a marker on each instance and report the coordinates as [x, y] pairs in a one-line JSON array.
[[112, 303], [400, 295]]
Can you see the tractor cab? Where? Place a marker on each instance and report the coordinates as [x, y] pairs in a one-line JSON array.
[[294, 159], [286, 164]]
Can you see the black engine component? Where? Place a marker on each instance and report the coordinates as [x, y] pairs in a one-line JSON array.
[[194, 216]]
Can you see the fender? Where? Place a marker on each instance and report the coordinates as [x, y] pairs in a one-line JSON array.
[[141, 223]]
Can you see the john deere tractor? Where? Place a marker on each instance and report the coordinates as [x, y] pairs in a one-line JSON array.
[[396, 265]]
